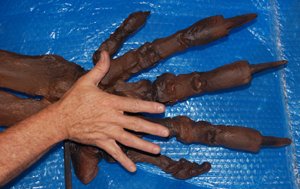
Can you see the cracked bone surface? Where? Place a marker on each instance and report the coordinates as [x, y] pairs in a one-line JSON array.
[[200, 33], [182, 169], [130, 25], [234, 137], [169, 88], [51, 76], [85, 162], [14, 109]]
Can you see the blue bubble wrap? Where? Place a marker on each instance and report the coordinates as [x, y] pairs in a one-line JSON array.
[[74, 29]]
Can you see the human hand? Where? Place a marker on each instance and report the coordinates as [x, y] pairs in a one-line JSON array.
[[92, 116]]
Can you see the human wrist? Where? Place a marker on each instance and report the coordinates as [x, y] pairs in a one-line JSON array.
[[54, 116]]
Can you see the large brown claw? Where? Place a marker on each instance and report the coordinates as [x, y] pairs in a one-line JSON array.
[[238, 21], [269, 141], [115, 40], [169, 88], [200, 33], [51, 76], [255, 68], [233, 137], [182, 169], [85, 161]]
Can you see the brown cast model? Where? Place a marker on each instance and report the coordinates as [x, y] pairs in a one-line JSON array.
[[50, 76]]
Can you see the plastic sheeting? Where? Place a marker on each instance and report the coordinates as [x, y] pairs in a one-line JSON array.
[[74, 29]]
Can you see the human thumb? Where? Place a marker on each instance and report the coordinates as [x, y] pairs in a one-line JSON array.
[[101, 68]]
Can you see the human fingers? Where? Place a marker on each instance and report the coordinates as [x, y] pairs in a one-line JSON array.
[[96, 74], [135, 105], [115, 151], [133, 141], [140, 125]]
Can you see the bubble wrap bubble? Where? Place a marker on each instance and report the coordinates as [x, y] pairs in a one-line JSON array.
[[74, 29]]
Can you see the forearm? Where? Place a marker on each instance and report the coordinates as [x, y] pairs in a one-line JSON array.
[[24, 143]]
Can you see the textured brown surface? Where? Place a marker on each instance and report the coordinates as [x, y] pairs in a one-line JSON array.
[[85, 161], [169, 88], [200, 33], [14, 109], [233, 137], [50, 76], [182, 169], [116, 39]]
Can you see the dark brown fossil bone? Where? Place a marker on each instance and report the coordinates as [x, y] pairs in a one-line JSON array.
[[85, 161], [186, 131], [50, 76], [169, 88], [54, 75], [14, 109], [116, 39], [86, 168], [234, 137], [182, 169], [200, 33], [86, 158]]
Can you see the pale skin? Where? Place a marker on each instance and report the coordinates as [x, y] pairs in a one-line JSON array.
[[86, 115]]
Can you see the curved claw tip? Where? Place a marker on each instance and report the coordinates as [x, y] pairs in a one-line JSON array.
[[282, 62], [189, 170], [147, 12], [240, 20], [206, 166], [275, 141], [141, 13], [255, 68]]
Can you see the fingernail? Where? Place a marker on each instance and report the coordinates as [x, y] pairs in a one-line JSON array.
[[156, 150], [165, 132], [161, 108], [132, 168]]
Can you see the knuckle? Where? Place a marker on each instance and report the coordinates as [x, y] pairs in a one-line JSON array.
[[136, 128], [136, 104], [81, 79], [100, 69], [111, 132], [136, 125], [128, 140], [100, 144], [124, 138], [101, 137], [114, 153]]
